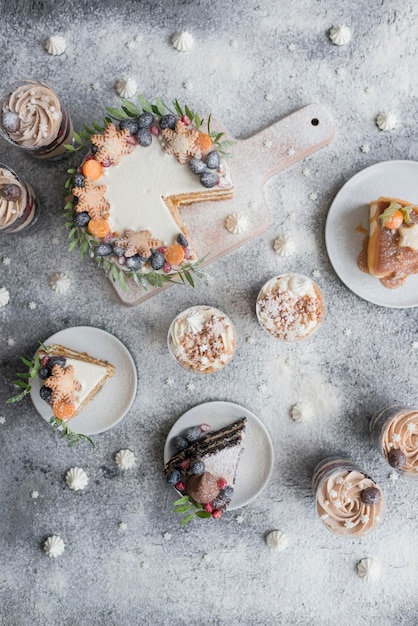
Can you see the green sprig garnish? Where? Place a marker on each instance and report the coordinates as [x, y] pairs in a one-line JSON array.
[[66, 433], [193, 509], [393, 208]]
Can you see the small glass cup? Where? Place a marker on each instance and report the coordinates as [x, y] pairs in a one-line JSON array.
[[202, 339], [33, 118], [349, 503], [290, 307], [19, 207], [394, 432]]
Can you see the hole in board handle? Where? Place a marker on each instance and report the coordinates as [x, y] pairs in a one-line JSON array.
[[315, 121]]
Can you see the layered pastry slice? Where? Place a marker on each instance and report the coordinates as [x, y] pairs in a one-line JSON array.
[[205, 465], [390, 252], [70, 379]]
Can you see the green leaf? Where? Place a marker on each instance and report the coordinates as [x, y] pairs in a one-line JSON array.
[[72, 170], [69, 205], [19, 397], [83, 248], [182, 500], [73, 245], [97, 127], [122, 279], [178, 107], [146, 106], [208, 124], [78, 138], [160, 106], [182, 508], [189, 113], [89, 130], [188, 277], [27, 362], [20, 383], [107, 121], [130, 107], [70, 148], [72, 232], [186, 519], [198, 120], [22, 375], [117, 113], [203, 514]]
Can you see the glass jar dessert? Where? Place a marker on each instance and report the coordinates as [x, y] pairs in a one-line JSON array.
[[202, 339], [348, 501], [33, 118], [290, 307], [394, 432], [19, 207]]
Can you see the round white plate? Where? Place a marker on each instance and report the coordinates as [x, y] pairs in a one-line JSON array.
[[256, 461], [114, 399], [397, 179]]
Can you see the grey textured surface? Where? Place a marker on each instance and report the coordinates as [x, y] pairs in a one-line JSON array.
[[252, 63]]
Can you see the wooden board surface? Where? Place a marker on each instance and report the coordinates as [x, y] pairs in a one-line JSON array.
[[254, 161]]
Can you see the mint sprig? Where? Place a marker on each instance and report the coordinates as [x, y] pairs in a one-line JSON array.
[[65, 432], [193, 509]]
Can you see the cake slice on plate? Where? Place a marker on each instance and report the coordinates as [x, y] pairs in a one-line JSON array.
[[70, 379], [205, 465], [390, 252]]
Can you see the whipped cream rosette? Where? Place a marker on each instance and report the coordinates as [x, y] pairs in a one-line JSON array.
[[395, 433], [18, 204], [348, 501], [33, 118], [202, 339]]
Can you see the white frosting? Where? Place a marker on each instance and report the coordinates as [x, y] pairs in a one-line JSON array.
[[300, 411], [126, 87], [368, 569], [409, 237], [277, 540], [236, 223], [183, 42], [300, 285], [194, 321], [284, 245], [54, 546], [59, 282], [125, 459], [4, 296], [88, 375], [76, 478], [386, 120], [55, 45], [340, 35]]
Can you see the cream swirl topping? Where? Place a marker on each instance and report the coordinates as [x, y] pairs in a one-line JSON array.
[[40, 115], [340, 507], [9, 209], [402, 432]]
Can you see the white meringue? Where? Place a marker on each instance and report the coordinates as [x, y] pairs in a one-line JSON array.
[[284, 245], [195, 322], [4, 296], [300, 285], [76, 478], [182, 41], [125, 459], [126, 87], [300, 412], [277, 540], [59, 282], [386, 120], [340, 35], [55, 45], [54, 546], [368, 569], [236, 223]]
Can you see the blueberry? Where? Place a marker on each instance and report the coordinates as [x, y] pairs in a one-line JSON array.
[[78, 180], [208, 179], [131, 125], [57, 360], [82, 219], [168, 121], [197, 166], [213, 160], [118, 251], [10, 121], [180, 443], [157, 260], [193, 433], [44, 372], [145, 120], [181, 239], [173, 477], [371, 495], [93, 148], [223, 498], [144, 137], [104, 249], [45, 393], [11, 192], [228, 492], [133, 262], [396, 458], [197, 467]]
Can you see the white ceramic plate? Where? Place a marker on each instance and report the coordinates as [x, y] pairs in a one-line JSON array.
[[398, 179], [115, 398], [256, 461]]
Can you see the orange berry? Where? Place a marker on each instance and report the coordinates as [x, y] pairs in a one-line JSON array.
[[98, 228], [203, 142], [395, 221], [92, 169], [174, 254], [63, 410]]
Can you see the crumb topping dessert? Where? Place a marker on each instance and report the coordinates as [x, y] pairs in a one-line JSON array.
[[290, 307], [202, 339]]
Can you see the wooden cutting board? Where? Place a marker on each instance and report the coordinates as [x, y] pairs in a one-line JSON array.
[[253, 162]]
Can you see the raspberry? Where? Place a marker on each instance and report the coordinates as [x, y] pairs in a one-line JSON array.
[[166, 268], [180, 486], [222, 483], [162, 249], [187, 253], [131, 139], [185, 119], [121, 260], [154, 130], [204, 428], [106, 163], [45, 361], [185, 465], [208, 507], [217, 514]]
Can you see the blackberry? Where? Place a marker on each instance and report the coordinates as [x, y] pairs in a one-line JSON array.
[[104, 249], [57, 360], [44, 373], [173, 477], [181, 239], [78, 180], [157, 260], [168, 121], [131, 125], [46, 393], [145, 120], [133, 262], [93, 148], [180, 443], [144, 137], [213, 160], [82, 219], [193, 433], [197, 166], [208, 179]]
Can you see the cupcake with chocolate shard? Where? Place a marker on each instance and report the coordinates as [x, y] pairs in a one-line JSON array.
[[395, 433]]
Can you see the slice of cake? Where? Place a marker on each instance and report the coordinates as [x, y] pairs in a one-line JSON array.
[[70, 379], [204, 468], [390, 252], [129, 190]]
